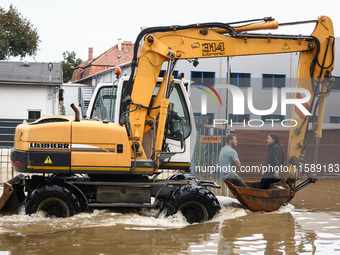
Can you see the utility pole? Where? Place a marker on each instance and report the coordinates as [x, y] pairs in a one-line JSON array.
[[227, 99]]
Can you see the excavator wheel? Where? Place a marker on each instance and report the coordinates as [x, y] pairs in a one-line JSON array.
[[56, 200], [196, 203]]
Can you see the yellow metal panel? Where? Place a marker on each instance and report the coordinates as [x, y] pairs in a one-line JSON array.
[[95, 144], [56, 132]]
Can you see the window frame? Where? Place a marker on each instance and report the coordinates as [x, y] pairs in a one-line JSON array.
[[247, 115], [272, 118], [273, 80], [175, 73], [202, 78], [238, 79], [34, 112], [337, 78], [334, 116], [209, 114]]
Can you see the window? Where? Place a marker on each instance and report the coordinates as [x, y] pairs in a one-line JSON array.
[[334, 119], [313, 119], [238, 118], [104, 105], [34, 114], [336, 85], [180, 113], [174, 73], [206, 78], [241, 80], [273, 117], [273, 81], [204, 119]]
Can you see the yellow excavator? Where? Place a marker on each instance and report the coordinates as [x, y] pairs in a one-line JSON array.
[[69, 165]]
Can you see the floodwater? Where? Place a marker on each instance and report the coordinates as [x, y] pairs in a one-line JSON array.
[[310, 225]]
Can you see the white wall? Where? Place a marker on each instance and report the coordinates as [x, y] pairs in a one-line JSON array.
[[17, 100]]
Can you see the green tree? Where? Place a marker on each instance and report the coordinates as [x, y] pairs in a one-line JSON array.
[[18, 37], [70, 61]]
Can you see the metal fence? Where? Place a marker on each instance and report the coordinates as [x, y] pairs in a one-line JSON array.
[[6, 172], [205, 159]]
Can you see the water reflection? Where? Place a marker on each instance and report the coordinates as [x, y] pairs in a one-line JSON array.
[[295, 232], [263, 233]]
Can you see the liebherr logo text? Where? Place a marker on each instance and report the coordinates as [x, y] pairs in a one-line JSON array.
[[213, 49], [50, 145]]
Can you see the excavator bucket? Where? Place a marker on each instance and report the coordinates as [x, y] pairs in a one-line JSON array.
[[13, 195], [266, 200]]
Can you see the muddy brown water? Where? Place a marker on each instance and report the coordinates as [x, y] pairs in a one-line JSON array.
[[309, 225]]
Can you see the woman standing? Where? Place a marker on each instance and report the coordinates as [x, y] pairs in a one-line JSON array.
[[274, 161]]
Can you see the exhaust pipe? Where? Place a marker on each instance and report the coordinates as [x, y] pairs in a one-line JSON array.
[[76, 112]]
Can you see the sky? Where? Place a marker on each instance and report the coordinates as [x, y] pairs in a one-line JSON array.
[[76, 25]]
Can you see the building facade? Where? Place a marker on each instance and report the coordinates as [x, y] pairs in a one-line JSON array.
[[27, 91]]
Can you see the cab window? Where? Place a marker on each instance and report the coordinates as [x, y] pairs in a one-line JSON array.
[[104, 105], [180, 113]]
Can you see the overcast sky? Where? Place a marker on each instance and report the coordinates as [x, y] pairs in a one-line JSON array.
[[76, 25]]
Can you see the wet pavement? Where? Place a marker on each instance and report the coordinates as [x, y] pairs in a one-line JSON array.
[[310, 225]]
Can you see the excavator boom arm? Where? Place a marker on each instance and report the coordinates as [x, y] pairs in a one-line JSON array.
[[221, 40]]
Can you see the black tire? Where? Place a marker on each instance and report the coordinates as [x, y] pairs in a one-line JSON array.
[[196, 203], [56, 200]]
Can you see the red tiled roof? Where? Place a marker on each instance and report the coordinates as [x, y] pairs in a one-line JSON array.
[[112, 57]]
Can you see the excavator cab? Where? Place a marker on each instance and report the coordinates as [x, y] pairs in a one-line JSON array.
[[106, 103]]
